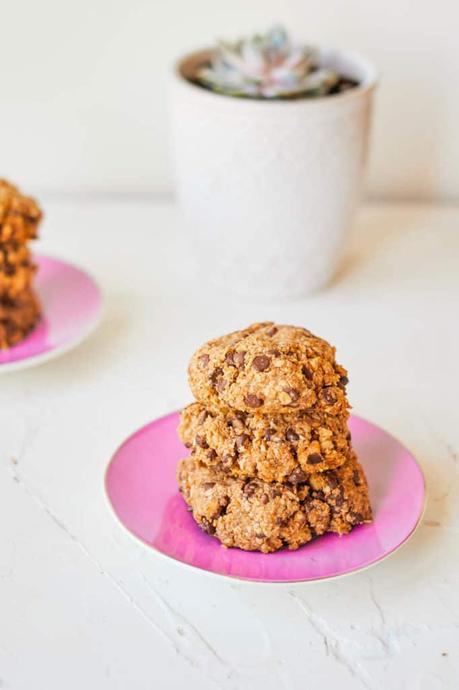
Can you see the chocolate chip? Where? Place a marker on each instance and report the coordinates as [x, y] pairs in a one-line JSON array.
[[328, 395], [239, 359], [253, 400], [357, 517], [201, 441], [332, 480], [314, 459], [297, 476], [229, 358], [204, 360], [291, 435], [260, 535], [274, 353], [269, 433], [275, 492], [348, 435], [342, 383], [249, 489], [307, 373], [281, 522], [356, 478], [264, 499], [242, 416], [207, 526], [211, 454], [339, 500], [272, 331], [215, 375], [261, 363], [208, 485], [240, 440], [202, 417], [293, 393]]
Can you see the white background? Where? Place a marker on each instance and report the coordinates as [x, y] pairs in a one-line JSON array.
[[83, 103]]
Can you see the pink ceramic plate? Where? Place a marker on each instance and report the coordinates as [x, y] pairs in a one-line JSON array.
[[142, 489], [71, 303]]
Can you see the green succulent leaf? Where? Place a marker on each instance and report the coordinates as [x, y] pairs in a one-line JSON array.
[[266, 66]]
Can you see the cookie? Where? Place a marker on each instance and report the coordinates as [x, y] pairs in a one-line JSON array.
[[269, 369], [17, 318], [13, 254], [19, 215], [275, 449], [15, 279], [258, 516]]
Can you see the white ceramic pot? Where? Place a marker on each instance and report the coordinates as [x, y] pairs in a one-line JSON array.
[[269, 188]]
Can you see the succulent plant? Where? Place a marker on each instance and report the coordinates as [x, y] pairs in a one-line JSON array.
[[266, 66]]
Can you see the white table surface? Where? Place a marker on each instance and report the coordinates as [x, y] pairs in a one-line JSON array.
[[83, 605]]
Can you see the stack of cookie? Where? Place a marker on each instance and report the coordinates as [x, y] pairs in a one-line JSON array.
[[19, 307], [271, 461]]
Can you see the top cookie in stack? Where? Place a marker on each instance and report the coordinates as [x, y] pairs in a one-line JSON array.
[[19, 308], [269, 369], [271, 415]]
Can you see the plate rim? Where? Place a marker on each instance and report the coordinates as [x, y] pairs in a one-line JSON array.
[[53, 353], [249, 580]]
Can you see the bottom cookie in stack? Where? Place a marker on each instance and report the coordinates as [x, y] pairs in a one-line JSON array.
[[18, 317], [265, 516]]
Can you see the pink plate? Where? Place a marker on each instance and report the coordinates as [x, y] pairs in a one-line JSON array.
[[71, 304], [142, 489]]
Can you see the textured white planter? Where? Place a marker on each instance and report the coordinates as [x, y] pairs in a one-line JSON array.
[[269, 188]]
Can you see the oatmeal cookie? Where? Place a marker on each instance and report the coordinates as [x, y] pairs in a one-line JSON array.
[[275, 449], [19, 215], [269, 369], [260, 516], [13, 254], [15, 278], [17, 318]]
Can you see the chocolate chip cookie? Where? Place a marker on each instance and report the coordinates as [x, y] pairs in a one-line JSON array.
[[273, 448], [13, 254], [16, 277], [19, 215], [17, 318], [19, 306], [261, 516], [269, 369]]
